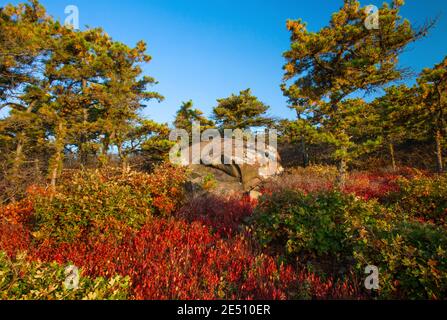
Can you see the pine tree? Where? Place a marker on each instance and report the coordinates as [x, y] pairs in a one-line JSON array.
[[25, 43], [187, 114], [125, 92], [329, 66], [241, 111], [433, 86], [24, 30], [396, 117]]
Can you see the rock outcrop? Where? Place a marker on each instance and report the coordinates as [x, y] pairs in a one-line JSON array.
[[230, 172]]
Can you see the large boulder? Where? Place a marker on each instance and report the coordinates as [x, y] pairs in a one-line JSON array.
[[231, 171]]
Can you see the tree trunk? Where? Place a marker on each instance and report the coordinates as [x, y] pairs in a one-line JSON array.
[[343, 161], [439, 158], [123, 159], [341, 177], [125, 165], [18, 159], [103, 158], [392, 155], [304, 151], [56, 163], [55, 170], [83, 152], [37, 169]]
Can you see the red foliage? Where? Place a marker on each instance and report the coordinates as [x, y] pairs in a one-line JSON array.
[[366, 185], [321, 289], [15, 219], [181, 257], [370, 185], [14, 238], [224, 215], [165, 186], [18, 212], [172, 259]]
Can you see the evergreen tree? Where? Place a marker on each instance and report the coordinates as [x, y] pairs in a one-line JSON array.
[[433, 87], [25, 45], [241, 111], [396, 118], [187, 114], [329, 66]]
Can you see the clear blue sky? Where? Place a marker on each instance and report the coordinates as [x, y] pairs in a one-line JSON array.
[[207, 49]]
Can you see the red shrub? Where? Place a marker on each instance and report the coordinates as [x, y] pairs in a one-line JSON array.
[[370, 185], [14, 238], [165, 185], [321, 289], [307, 180], [224, 215], [366, 185], [18, 212], [172, 259]]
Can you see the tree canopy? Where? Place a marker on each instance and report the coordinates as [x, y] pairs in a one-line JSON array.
[[242, 111]]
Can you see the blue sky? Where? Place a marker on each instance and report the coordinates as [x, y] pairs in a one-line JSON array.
[[207, 49]]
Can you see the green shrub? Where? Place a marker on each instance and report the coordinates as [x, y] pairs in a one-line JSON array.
[[327, 223], [90, 202], [24, 280], [105, 202], [412, 261], [411, 255], [423, 198]]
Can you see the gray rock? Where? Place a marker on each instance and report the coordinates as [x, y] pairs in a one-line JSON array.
[[238, 176]]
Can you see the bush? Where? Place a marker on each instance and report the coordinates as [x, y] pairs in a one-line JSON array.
[[15, 221], [107, 201], [311, 179], [170, 258], [411, 256], [13, 237], [225, 215], [423, 198], [173, 259], [24, 280], [412, 260], [371, 185], [108, 223], [322, 224]]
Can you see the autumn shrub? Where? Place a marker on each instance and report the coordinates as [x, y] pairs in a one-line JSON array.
[[173, 259], [106, 201], [411, 255], [412, 259], [313, 286], [225, 215], [423, 198], [369, 185], [320, 224], [113, 224], [311, 179], [21, 279], [14, 237]]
